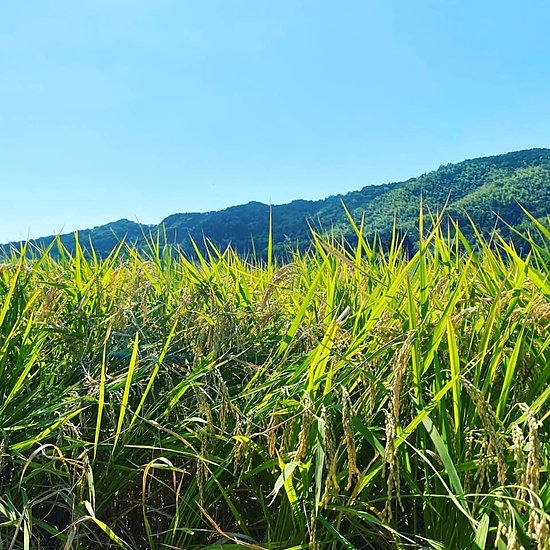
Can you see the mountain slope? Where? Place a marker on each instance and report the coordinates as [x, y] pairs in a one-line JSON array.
[[482, 188], [104, 238]]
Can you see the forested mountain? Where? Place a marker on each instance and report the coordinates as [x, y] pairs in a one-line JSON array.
[[486, 189]]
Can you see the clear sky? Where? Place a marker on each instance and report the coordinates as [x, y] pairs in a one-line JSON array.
[[143, 108]]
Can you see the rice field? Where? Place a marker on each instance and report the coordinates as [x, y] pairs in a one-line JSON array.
[[353, 398]]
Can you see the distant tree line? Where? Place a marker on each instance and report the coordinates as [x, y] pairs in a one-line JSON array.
[[488, 191]]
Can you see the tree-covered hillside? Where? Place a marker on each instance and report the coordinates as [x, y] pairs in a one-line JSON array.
[[489, 190]]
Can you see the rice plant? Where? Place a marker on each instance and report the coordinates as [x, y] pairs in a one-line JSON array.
[[354, 397]]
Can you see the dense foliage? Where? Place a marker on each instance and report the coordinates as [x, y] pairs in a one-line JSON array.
[[351, 398], [487, 189]]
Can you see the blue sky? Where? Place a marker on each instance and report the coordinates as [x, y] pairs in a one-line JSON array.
[[143, 108]]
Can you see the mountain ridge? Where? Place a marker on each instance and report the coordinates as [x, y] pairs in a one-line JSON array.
[[479, 188]]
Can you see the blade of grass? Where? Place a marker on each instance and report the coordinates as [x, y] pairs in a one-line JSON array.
[[127, 386]]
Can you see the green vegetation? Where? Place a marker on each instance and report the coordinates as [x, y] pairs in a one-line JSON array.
[[487, 189], [352, 398]]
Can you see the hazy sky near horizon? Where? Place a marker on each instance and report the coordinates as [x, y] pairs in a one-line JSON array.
[[139, 109]]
